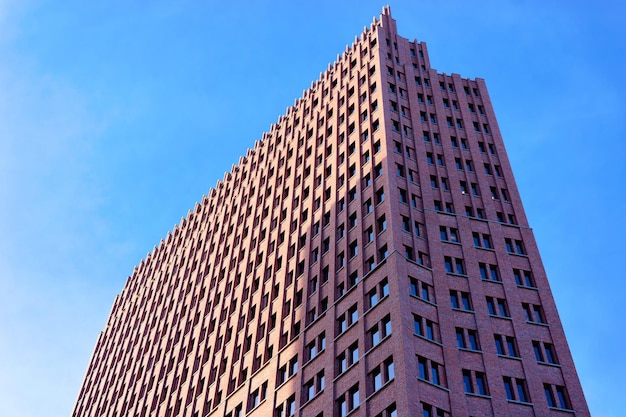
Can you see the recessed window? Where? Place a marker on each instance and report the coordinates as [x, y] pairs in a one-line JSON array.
[[557, 397], [431, 371], [534, 313], [382, 374], [544, 352], [424, 327], [497, 307], [454, 265], [475, 382], [482, 240], [506, 345], [515, 389], [467, 339], [422, 290], [460, 300], [523, 278]]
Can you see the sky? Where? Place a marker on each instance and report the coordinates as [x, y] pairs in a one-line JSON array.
[[116, 117]]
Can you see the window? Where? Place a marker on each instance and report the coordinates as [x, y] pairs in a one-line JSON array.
[[390, 411], [380, 195], [414, 201], [254, 399], [409, 253], [353, 248], [431, 411], [475, 190], [421, 290], [506, 345], [382, 374], [347, 359], [347, 319], [417, 227], [315, 346], [314, 386], [460, 300], [367, 180], [515, 389], [400, 170], [449, 234], [424, 327], [383, 252], [497, 307], [378, 293], [380, 330], [290, 405], [489, 272], [482, 240], [430, 371], [523, 278], [514, 246], [534, 313], [467, 339], [382, 223], [287, 371], [557, 397], [544, 352], [403, 196], [475, 382], [406, 224], [454, 265], [348, 401], [287, 409], [341, 259]]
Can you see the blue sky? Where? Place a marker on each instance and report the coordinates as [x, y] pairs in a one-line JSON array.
[[117, 116]]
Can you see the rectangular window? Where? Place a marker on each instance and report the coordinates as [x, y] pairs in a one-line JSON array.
[[347, 359], [467, 339], [489, 272], [377, 293], [460, 300], [534, 313], [506, 345], [557, 397], [430, 371], [475, 382], [424, 327], [431, 411], [454, 265], [348, 401], [421, 290], [382, 374], [497, 307], [523, 278], [516, 389]]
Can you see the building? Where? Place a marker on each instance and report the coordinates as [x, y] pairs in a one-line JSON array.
[[369, 257]]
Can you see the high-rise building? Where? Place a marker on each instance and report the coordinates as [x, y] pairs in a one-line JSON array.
[[369, 257]]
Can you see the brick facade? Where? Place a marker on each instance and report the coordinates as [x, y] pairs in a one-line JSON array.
[[370, 256]]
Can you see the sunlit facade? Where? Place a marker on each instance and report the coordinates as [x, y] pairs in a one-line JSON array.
[[370, 256]]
